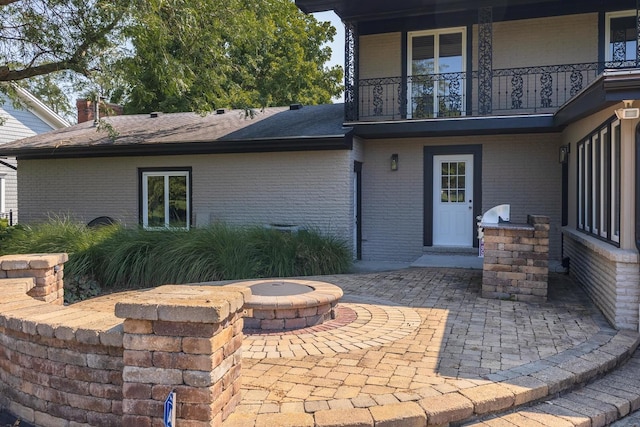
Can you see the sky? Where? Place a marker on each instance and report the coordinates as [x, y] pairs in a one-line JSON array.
[[337, 46]]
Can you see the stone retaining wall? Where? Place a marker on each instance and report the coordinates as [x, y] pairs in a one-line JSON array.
[[516, 260], [69, 366], [46, 270]]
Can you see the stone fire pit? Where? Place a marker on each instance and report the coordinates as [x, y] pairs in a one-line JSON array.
[[284, 304]]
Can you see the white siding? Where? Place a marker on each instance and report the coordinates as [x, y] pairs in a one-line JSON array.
[[17, 124]]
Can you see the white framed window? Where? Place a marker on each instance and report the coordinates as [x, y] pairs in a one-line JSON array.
[[599, 182], [165, 199], [621, 39], [436, 72]]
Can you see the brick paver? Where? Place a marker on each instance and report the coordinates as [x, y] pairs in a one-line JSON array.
[[422, 342], [409, 336]]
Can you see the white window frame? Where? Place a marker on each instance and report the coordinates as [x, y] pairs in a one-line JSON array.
[[145, 197], [436, 53], [607, 31]]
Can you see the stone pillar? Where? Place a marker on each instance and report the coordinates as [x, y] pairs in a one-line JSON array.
[[46, 270], [516, 260], [185, 339]]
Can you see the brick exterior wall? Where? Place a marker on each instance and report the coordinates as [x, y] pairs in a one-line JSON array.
[[610, 276], [556, 40], [299, 188], [81, 365], [516, 260], [521, 170], [259, 188]]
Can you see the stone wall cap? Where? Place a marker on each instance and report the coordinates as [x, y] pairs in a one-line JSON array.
[[181, 303], [508, 226]]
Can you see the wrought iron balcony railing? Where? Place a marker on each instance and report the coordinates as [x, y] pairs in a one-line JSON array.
[[529, 90]]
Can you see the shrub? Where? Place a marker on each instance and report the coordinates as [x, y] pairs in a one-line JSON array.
[[114, 257]]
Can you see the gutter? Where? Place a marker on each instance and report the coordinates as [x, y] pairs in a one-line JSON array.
[[260, 145]]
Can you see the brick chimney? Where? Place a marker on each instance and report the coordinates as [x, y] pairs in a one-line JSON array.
[[86, 110]]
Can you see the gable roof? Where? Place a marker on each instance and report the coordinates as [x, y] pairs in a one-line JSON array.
[[42, 111], [272, 129], [29, 118]]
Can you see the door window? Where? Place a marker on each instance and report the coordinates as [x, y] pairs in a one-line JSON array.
[[437, 73], [453, 183]]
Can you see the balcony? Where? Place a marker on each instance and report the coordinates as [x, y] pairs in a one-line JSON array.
[[512, 91]]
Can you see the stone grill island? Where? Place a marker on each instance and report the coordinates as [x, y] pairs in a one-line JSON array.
[[516, 260]]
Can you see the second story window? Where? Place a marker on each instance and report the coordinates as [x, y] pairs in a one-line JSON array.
[[621, 39], [436, 68]]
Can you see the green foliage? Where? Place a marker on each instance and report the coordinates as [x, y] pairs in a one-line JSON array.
[[168, 55], [60, 235], [206, 54], [39, 37], [79, 288], [5, 229], [114, 257]]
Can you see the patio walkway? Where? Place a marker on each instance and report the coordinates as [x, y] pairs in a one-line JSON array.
[[418, 346]]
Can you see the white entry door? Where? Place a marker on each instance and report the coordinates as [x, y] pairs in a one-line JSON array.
[[453, 200]]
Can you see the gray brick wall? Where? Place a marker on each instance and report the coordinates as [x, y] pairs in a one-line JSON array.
[[609, 275], [302, 188], [522, 170], [545, 41]]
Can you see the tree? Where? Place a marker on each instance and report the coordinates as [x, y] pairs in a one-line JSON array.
[[206, 54], [170, 55], [39, 37]]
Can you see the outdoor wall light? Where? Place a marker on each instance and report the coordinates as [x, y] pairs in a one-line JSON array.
[[394, 162], [628, 112], [564, 154]]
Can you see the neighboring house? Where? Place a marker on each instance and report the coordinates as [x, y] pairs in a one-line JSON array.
[[32, 118], [450, 109]]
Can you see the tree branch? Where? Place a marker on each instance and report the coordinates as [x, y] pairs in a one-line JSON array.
[[7, 75], [74, 62], [7, 2]]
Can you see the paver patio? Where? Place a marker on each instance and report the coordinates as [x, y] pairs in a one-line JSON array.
[[422, 339]]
